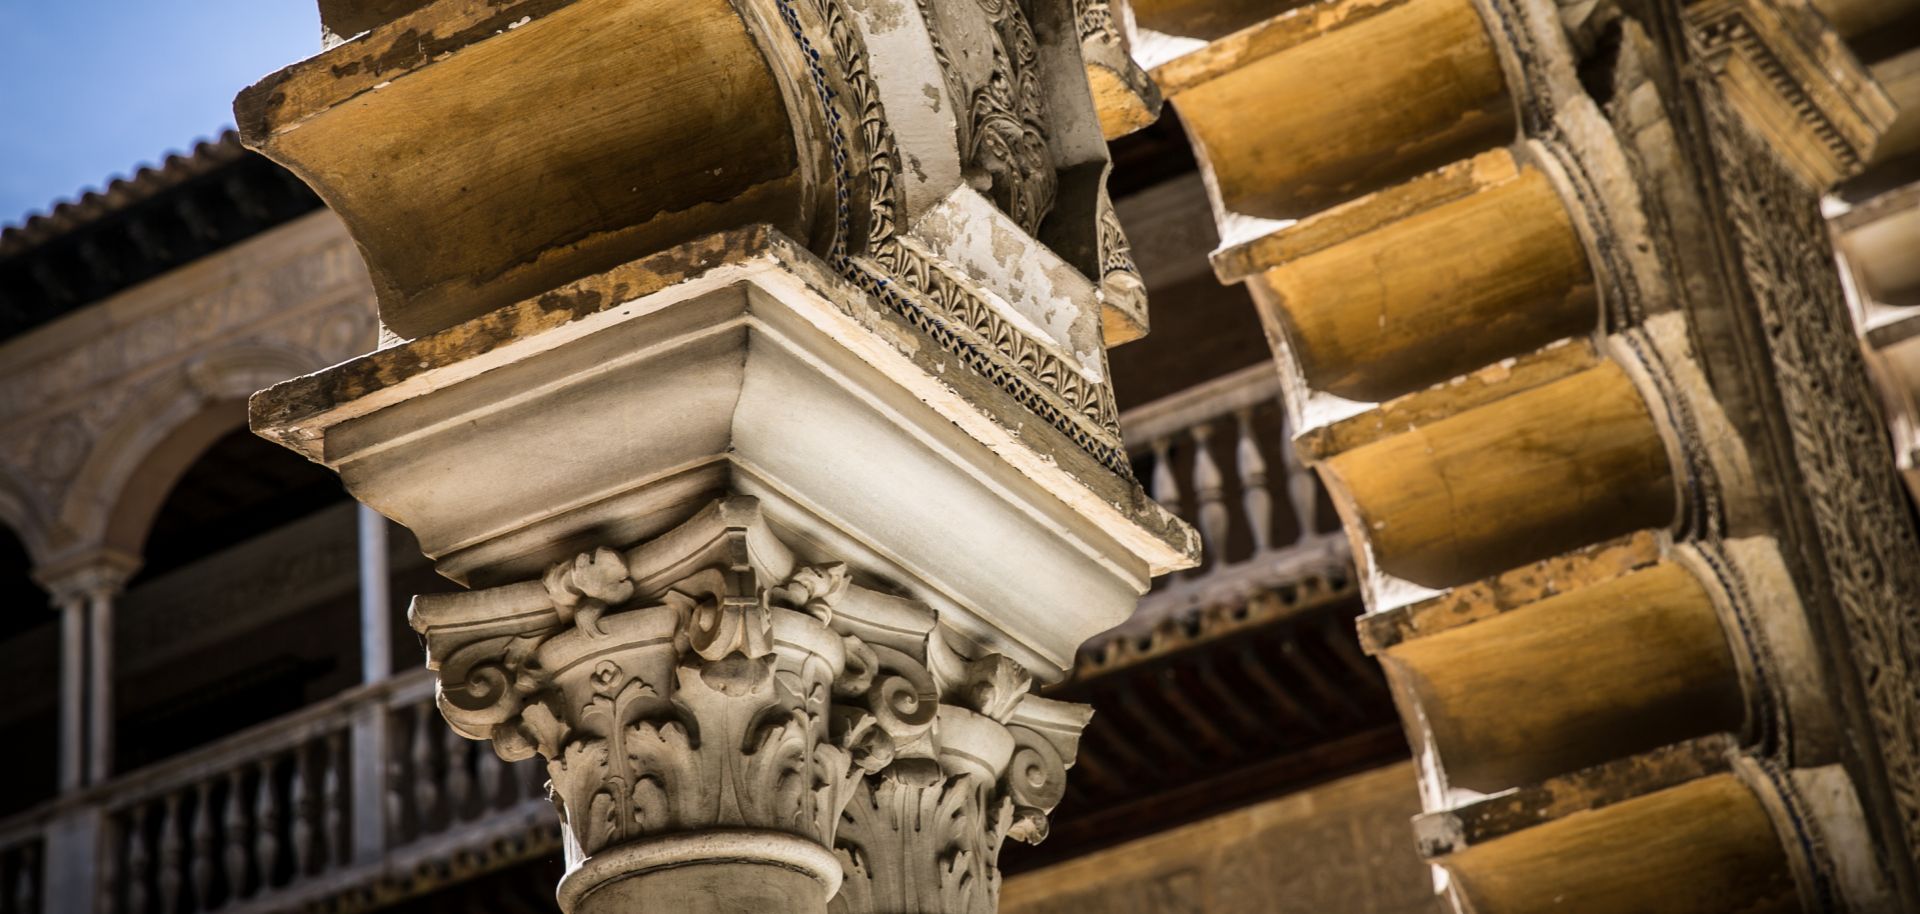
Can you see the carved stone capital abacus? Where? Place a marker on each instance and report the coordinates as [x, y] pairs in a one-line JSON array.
[[707, 699]]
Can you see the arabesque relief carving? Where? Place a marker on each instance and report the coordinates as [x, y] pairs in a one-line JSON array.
[[1852, 490], [707, 680], [1004, 140], [1007, 135]]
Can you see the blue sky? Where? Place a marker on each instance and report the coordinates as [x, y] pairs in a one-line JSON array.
[[90, 89]]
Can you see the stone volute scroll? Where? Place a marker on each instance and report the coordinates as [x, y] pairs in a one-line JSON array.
[[711, 709]]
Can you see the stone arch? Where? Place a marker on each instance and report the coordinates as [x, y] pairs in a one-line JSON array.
[[25, 515], [135, 461]]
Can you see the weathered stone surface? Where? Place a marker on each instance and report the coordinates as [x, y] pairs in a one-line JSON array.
[[883, 155]]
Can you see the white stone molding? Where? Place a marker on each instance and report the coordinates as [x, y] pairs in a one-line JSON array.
[[706, 698], [736, 364]]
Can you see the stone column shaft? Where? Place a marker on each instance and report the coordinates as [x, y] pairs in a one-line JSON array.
[[73, 690], [99, 602], [376, 650], [83, 593]]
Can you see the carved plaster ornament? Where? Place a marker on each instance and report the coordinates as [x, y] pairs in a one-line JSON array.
[[707, 681], [1007, 135]]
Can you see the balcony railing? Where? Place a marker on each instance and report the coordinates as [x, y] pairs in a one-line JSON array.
[[21, 851], [369, 796], [1218, 456], [365, 795]]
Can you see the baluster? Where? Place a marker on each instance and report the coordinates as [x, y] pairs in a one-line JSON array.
[[334, 847], [201, 866], [170, 851], [1208, 492], [493, 780], [106, 879], [137, 858], [396, 801], [460, 798], [266, 825], [235, 822], [1253, 482], [1300, 488], [426, 787], [26, 878], [1166, 490], [300, 803]]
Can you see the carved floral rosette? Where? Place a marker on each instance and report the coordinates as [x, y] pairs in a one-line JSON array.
[[708, 682]]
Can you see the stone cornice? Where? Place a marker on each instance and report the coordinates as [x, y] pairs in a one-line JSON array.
[[1793, 81], [792, 297]]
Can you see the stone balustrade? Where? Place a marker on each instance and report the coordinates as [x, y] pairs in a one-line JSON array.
[[268, 818], [1218, 456], [212, 835]]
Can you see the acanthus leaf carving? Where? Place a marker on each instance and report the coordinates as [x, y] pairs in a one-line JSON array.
[[740, 696]]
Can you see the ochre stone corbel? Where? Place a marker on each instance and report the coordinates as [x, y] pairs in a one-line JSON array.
[[1696, 826], [1485, 349], [1124, 94]]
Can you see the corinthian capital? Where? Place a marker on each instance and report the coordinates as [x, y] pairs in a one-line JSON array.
[[707, 697]]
